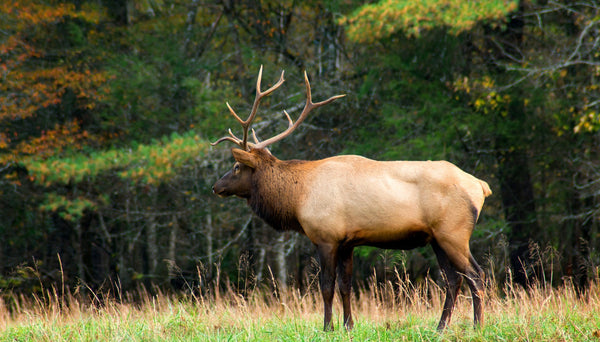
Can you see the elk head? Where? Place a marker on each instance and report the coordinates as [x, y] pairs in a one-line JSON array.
[[238, 180], [249, 156]]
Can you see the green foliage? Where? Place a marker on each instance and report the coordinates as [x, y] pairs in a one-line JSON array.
[[146, 163], [70, 209], [414, 113], [144, 97], [384, 18], [210, 117]]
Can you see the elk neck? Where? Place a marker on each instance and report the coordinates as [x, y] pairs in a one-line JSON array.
[[277, 191]]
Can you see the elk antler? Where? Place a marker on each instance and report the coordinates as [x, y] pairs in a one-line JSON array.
[[243, 143], [308, 107]]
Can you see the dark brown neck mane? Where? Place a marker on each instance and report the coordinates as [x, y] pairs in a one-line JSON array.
[[276, 191]]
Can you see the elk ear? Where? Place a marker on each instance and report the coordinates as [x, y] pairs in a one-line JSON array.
[[244, 157]]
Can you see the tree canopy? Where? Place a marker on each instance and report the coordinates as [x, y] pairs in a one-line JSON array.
[[107, 109], [384, 18]]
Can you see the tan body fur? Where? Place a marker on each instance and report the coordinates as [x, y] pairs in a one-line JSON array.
[[366, 202]]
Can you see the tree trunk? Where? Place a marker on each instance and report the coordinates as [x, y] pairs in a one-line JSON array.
[[79, 252], [578, 247], [171, 253], [519, 208], [126, 246], [280, 254], [516, 187], [151, 238], [190, 21], [260, 264], [120, 10], [209, 243]]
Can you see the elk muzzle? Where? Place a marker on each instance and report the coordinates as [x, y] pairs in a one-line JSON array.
[[219, 188]]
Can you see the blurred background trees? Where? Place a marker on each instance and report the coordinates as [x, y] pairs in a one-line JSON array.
[[107, 108]]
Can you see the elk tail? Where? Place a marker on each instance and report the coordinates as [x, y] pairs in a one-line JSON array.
[[485, 187]]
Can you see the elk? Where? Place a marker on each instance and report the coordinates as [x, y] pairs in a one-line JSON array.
[[346, 201]]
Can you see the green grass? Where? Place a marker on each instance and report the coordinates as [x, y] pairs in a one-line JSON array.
[[516, 315]]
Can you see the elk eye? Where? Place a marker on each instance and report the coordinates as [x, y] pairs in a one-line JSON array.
[[236, 168]]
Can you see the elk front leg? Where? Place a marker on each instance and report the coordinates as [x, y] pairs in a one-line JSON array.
[[345, 284], [328, 259]]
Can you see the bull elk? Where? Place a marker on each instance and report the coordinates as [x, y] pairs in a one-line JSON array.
[[347, 201]]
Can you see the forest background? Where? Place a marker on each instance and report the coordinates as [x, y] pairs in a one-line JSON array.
[[107, 109]]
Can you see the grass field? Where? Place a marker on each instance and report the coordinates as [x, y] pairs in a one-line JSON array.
[[511, 314]]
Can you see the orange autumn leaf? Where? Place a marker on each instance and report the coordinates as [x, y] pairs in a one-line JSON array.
[[33, 82]]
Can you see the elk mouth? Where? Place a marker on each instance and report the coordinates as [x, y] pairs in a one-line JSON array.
[[220, 192]]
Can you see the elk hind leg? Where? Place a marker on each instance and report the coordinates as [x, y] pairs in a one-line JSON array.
[[453, 282], [460, 257], [475, 278]]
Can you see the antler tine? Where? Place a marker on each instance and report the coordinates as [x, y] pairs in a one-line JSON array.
[[307, 108], [235, 115], [243, 143], [232, 138], [256, 141], [259, 95]]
